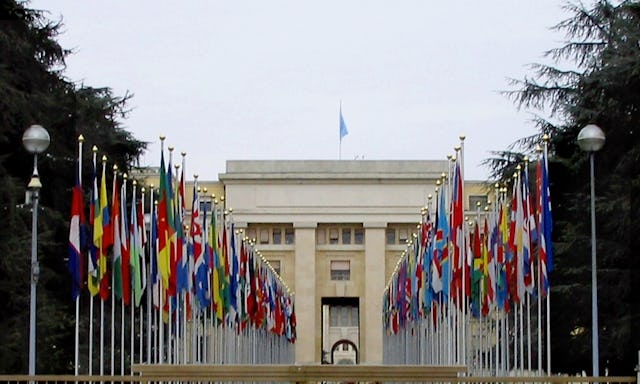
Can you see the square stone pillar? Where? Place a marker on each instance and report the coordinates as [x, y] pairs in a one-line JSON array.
[[371, 302], [307, 309]]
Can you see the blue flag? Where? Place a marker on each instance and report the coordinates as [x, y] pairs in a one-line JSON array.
[[343, 126]]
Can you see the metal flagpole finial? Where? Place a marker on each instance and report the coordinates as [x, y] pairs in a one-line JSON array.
[[104, 158], [171, 148], [457, 148], [81, 138], [94, 149], [162, 137], [462, 137], [115, 168], [546, 138]]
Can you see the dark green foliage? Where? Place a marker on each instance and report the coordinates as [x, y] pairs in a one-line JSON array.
[[603, 88], [34, 91]]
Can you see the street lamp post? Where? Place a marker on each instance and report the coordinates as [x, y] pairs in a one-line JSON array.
[[35, 140], [591, 139]]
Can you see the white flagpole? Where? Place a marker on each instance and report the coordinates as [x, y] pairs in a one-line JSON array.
[[463, 252], [161, 324], [104, 164], [123, 232], [76, 349], [132, 323], [528, 332], [132, 244], [545, 139], [90, 333], [76, 337], [101, 336], [149, 292], [143, 273], [113, 280]]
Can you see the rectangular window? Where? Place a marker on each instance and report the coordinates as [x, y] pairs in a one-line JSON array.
[[475, 199], [344, 316], [264, 236], [321, 236], [333, 316], [205, 206], [340, 270], [333, 236], [289, 236], [277, 236], [346, 235], [358, 236], [251, 233], [403, 235], [354, 316], [391, 236], [276, 265]]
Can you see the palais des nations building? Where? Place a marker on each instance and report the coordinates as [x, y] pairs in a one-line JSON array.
[[334, 230]]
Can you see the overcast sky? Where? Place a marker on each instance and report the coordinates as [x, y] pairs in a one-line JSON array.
[[229, 80]]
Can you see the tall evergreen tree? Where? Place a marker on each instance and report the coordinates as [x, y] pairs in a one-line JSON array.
[[33, 90], [601, 86]]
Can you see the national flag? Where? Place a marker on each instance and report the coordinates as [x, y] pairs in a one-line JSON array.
[[125, 249], [476, 274], [142, 230], [173, 226], [545, 248], [164, 242], [117, 245], [76, 234], [93, 277], [234, 278], [519, 241], [200, 262], [502, 288], [343, 127], [153, 255], [105, 239], [183, 255], [529, 233], [135, 247], [458, 237], [217, 269], [442, 244]]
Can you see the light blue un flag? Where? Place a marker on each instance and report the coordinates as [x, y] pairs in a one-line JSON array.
[[343, 126]]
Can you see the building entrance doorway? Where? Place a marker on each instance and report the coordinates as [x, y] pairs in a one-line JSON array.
[[340, 330]]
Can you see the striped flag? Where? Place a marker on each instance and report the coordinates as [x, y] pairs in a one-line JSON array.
[[76, 232], [117, 245]]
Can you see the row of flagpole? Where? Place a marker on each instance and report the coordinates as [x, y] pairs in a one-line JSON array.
[[196, 292], [464, 289]]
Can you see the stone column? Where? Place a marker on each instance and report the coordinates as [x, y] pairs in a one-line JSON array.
[[307, 309], [371, 303]]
